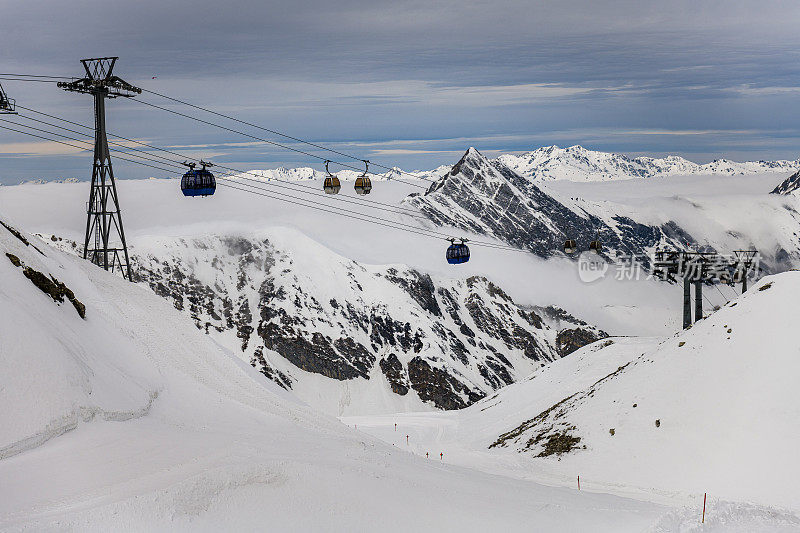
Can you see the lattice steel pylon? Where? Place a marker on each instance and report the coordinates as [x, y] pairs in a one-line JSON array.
[[103, 213], [7, 106]]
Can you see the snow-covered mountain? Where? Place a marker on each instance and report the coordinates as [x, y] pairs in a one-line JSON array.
[[361, 319], [789, 185], [348, 337], [577, 163], [485, 197], [712, 409], [373, 336], [346, 174], [119, 415], [732, 385]]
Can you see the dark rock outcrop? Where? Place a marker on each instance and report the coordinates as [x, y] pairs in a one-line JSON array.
[[440, 387], [570, 340], [789, 185], [49, 285], [392, 368]]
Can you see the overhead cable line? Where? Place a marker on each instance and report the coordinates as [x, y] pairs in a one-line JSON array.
[[78, 147], [241, 174], [285, 147], [284, 135], [38, 76], [240, 121], [288, 198], [20, 79], [229, 117], [90, 143]]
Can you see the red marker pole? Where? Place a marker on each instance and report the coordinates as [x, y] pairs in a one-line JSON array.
[[395, 426], [579, 482], [705, 495], [441, 456], [406, 439]]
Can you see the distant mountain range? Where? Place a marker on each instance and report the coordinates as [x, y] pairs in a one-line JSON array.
[[549, 163], [576, 163]]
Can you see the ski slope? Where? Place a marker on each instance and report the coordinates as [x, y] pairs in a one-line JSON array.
[[713, 409], [131, 419]]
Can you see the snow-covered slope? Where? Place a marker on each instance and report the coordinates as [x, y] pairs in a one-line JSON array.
[[118, 415], [713, 409], [353, 338], [577, 163]]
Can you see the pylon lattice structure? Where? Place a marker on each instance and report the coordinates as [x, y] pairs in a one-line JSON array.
[[104, 244], [7, 106], [699, 268]]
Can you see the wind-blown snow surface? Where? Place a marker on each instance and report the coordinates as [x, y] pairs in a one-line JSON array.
[[713, 409], [131, 419]]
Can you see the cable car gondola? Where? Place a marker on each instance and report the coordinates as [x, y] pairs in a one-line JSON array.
[[198, 182], [595, 246], [363, 183], [331, 185], [570, 246], [457, 253]]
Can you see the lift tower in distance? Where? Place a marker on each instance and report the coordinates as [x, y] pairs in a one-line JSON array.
[[7, 106], [105, 237]]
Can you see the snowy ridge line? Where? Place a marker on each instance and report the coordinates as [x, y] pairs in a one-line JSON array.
[[68, 422], [577, 163]]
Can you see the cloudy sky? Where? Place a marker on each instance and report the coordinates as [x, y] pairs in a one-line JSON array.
[[414, 83]]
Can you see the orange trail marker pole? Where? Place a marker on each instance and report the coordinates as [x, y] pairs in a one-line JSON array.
[[705, 495]]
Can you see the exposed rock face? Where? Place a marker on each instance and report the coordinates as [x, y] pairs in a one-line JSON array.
[[570, 340], [392, 368], [449, 341], [488, 198], [789, 185], [438, 386], [49, 285]]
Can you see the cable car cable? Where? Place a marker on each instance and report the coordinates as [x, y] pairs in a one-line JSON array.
[[297, 150], [90, 143], [284, 135], [81, 147], [166, 160], [342, 211], [294, 185], [39, 76]]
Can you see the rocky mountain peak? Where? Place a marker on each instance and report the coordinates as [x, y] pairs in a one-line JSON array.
[[789, 185]]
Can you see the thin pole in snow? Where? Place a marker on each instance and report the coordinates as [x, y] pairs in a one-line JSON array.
[[579, 482], [705, 495]]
